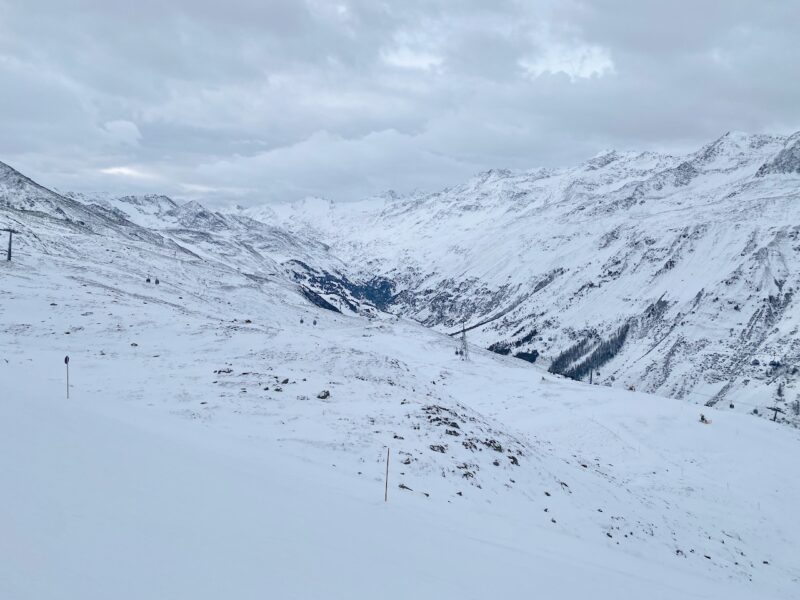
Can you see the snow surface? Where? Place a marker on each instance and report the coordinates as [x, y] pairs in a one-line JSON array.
[[195, 458]]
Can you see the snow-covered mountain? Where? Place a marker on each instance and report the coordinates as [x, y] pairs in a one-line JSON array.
[[675, 275], [228, 427]]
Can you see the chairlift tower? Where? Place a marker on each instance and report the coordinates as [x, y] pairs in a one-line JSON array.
[[11, 232]]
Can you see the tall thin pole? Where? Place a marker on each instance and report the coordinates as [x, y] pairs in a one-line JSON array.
[[386, 487], [66, 362]]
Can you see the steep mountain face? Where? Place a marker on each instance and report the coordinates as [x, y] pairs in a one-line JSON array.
[[19, 194], [675, 275], [23, 201], [786, 161], [189, 232], [251, 246]]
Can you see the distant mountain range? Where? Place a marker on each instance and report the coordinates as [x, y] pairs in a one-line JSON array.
[[676, 275]]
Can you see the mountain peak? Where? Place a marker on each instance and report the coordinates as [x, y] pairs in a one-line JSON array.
[[602, 159], [740, 141], [9, 173], [493, 174], [736, 149], [150, 199]]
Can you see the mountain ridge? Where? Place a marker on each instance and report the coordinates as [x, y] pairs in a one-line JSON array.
[[697, 253], [696, 257]]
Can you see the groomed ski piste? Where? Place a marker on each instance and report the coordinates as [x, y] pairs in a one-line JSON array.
[[224, 437]]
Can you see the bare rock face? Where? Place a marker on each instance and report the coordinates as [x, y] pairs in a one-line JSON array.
[[787, 161]]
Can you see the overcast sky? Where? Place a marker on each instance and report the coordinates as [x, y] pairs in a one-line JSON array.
[[255, 101]]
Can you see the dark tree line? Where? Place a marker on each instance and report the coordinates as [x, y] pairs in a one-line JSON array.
[[525, 339], [603, 353], [500, 348], [529, 356], [569, 356]]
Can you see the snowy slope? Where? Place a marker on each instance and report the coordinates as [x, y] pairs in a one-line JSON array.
[[687, 267], [108, 502], [198, 455]]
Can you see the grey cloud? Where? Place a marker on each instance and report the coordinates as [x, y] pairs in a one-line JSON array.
[[277, 99]]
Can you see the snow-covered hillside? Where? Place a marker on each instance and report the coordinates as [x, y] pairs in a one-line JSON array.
[[227, 429], [675, 275]]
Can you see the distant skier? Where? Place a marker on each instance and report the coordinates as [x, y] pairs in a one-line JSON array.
[[156, 280], [703, 419]]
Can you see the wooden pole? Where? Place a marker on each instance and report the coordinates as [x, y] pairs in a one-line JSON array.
[[386, 487]]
